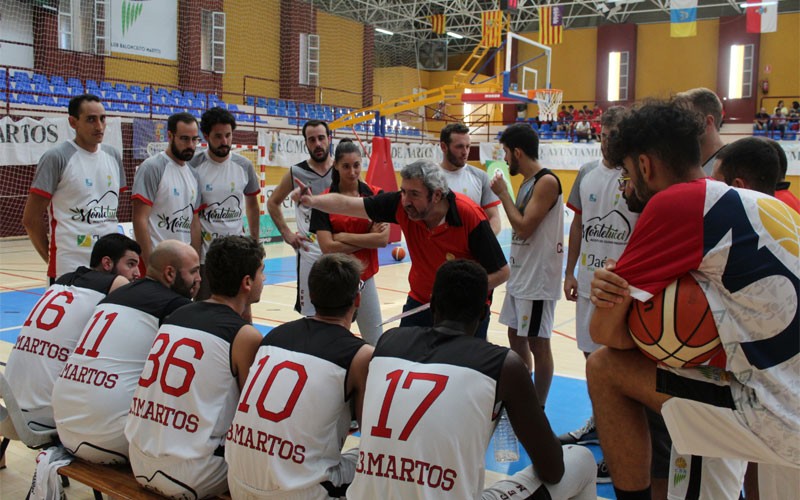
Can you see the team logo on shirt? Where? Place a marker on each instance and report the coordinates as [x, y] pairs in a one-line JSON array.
[[680, 470], [614, 227], [228, 209], [180, 221], [175, 192], [97, 211], [592, 197], [209, 187], [84, 240], [88, 182]]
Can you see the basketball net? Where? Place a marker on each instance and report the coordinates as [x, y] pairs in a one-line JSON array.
[[548, 101]]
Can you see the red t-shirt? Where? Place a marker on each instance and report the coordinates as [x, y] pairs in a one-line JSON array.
[[789, 198], [465, 234]]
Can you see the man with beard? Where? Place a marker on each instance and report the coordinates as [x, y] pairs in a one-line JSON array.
[[438, 225], [537, 253], [466, 179], [81, 176], [315, 173], [166, 195], [744, 407], [227, 181], [191, 381], [92, 396], [51, 330]]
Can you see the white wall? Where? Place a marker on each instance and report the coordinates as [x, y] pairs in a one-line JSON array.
[[16, 24]]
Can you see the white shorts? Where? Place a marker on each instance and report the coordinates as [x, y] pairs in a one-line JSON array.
[[176, 478], [704, 478], [583, 316], [89, 448], [304, 262], [530, 318], [713, 428], [340, 475], [578, 482]]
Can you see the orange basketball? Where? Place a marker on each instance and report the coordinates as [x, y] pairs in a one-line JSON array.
[[399, 253], [676, 326]]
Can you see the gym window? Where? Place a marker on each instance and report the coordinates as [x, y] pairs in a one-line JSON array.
[[83, 26], [212, 41], [740, 73], [618, 76]]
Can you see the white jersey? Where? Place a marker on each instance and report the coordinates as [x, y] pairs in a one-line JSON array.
[[427, 417], [294, 415], [742, 248], [172, 193], [607, 221], [223, 187], [536, 262], [48, 336], [187, 393], [92, 396], [83, 189], [318, 184], [474, 183]]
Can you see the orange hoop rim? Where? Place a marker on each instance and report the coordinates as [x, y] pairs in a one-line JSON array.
[[532, 93]]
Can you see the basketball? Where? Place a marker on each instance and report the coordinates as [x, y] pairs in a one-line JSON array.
[[676, 327], [398, 253]]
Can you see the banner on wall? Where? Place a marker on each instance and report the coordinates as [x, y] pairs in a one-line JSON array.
[[145, 28], [285, 150], [555, 156], [24, 141]]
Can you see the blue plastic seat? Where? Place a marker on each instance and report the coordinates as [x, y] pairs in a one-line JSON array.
[[23, 99], [25, 86], [3, 97], [176, 93], [106, 87], [233, 107], [74, 82], [46, 100], [20, 76], [57, 81]]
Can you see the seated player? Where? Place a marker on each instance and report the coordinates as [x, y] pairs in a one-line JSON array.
[[191, 381], [92, 396], [51, 331], [432, 396], [728, 239], [294, 414]]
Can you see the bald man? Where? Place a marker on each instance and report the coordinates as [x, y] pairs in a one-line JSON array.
[[93, 394]]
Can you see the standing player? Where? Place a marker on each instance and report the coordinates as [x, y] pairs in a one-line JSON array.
[[537, 253], [707, 104], [191, 381], [294, 413], [316, 174], [52, 328], [360, 237], [165, 190], [600, 230], [228, 184], [464, 178], [748, 410], [92, 396], [439, 225], [80, 181], [432, 396]]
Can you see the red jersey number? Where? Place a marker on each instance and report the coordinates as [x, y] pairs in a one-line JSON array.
[[172, 364], [439, 383]]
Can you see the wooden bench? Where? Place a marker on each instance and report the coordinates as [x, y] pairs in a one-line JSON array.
[[116, 481]]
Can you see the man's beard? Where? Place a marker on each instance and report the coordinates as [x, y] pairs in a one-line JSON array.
[[221, 151], [319, 155], [185, 155], [182, 287], [453, 159]]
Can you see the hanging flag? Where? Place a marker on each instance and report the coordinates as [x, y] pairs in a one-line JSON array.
[[683, 17], [762, 17], [551, 24], [437, 24], [492, 21]]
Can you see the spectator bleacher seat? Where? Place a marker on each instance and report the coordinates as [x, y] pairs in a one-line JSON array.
[[46, 100], [121, 87], [3, 97], [74, 82]]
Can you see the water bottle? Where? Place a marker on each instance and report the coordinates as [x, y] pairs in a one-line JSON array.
[[506, 446]]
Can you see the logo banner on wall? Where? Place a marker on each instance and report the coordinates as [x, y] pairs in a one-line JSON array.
[[24, 141], [285, 150], [146, 131], [556, 156], [145, 28]]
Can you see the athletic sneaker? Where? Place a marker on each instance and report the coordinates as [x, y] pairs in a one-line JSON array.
[[585, 435], [603, 477]]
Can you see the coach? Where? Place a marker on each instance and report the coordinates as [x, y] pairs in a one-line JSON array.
[[438, 225]]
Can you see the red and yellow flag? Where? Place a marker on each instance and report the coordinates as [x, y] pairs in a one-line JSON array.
[[437, 24], [492, 21], [551, 25]]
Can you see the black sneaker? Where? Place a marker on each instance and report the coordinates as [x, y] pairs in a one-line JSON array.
[[585, 435], [603, 477]]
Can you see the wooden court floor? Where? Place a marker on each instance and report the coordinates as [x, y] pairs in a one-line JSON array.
[[23, 272]]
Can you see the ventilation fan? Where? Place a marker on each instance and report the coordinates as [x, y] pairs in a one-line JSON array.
[[432, 55]]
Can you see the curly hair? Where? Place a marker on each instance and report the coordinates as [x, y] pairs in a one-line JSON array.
[[214, 116], [665, 130]]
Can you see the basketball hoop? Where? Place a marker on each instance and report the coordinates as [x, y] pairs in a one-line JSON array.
[[548, 101]]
